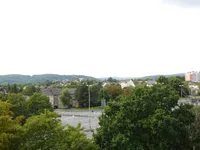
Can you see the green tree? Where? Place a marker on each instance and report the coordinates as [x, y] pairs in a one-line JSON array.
[[127, 90], [82, 95], [73, 138], [113, 90], [38, 103], [103, 94], [3, 97], [110, 79], [19, 104], [13, 88], [110, 92], [10, 129], [163, 80], [83, 91], [47, 133], [149, 118], [65, 97], [94, 94], [29, 90], [177, 83], [40, 131], [195, 128]]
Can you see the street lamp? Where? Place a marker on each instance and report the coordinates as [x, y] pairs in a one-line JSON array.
[[89, 105], [103, 102], [74, 120], [181, 89]]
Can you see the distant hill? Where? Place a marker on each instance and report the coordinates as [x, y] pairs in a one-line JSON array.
[[16, 78], [145, 77], [156, 76]]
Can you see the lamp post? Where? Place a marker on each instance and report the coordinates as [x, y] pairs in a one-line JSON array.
[[74, 120], [103, 100], [89, 105], [181, 89]]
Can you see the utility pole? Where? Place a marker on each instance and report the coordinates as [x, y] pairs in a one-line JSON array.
[[89, 106], [181, 90], [103, 99]]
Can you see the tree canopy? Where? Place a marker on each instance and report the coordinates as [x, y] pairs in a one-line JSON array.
[[29, 90], [37, 103], [175, 82], [149, 118], [10, 129], [65, 97], [43, 131]]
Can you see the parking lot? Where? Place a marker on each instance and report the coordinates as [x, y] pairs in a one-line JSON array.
[[88, 120]]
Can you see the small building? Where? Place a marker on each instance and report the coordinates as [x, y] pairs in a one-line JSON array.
[[127, 84], [53, 94]]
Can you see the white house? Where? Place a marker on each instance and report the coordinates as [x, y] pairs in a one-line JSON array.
[[127, 84]]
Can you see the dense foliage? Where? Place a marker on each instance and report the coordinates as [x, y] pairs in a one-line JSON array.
[[176, 82], [83, 92], [38, 103], [149, 118], [41, 128], [65, 97]]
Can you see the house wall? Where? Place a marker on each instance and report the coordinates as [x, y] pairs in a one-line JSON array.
[[51, 99], [60, 104], [187, 77]]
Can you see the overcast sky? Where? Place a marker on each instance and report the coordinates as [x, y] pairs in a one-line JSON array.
[[99, 38]]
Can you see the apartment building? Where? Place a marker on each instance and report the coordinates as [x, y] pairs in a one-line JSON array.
[[193, 76]]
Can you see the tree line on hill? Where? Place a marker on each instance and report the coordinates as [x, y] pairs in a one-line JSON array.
[[25, 79]]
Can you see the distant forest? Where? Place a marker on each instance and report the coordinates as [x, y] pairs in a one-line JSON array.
[[23, 79]]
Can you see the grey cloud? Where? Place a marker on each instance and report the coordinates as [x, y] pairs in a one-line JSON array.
[[184, 3]]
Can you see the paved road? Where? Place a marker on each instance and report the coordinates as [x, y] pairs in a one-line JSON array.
[[87, 120]]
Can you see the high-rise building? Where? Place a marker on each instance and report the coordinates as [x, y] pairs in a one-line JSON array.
[[193, 76]]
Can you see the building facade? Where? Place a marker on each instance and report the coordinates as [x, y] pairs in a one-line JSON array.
[[128, 83], [193, 76], [53, 94]]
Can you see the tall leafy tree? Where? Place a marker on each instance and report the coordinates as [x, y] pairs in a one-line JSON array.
[[19, 104], [195, 129], [29, 90], [110, 79], [82, 95], [66, 97], [38, 103], [149, 118], [110, 92], [177, 83], [3, 97], [46, 132], [113, 90], [10, 129], [13, 88], [163, 80], [94, 94], [83, 92]]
